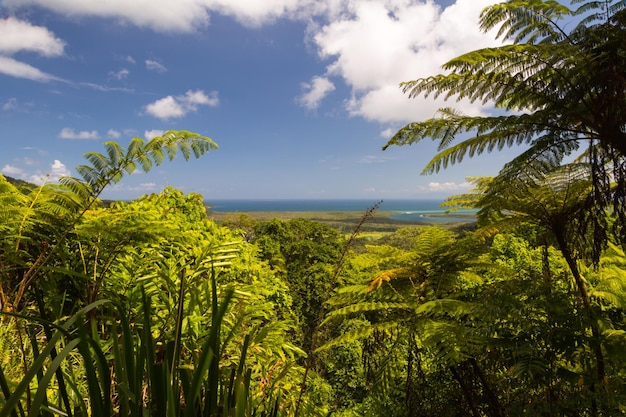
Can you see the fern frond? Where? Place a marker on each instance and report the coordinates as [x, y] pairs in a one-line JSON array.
[[530, 21], [358, 334], [368, 306], [387, 276]]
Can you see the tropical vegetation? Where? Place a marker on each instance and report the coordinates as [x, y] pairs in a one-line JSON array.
[[150, 307]]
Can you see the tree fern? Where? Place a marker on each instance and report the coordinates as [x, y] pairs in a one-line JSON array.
[[45, 216], [564, 85]]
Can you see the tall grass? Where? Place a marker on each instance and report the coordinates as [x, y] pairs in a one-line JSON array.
[[117, 368]]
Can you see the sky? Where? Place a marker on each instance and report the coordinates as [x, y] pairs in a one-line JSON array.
[[299, 95]]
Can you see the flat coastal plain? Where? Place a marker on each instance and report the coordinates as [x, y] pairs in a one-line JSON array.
[[342, 221]]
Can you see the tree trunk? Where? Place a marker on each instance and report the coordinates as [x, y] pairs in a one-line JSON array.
[[593, 324], [468, 392]]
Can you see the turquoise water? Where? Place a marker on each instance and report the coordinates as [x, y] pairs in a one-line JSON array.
[[407, 210]]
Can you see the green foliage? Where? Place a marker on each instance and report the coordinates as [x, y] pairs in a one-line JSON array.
[[147, 375], [558, 90], [139, 308], [38, 223], [304, 254]]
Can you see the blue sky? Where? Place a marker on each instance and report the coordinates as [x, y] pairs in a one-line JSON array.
[[300, 95]]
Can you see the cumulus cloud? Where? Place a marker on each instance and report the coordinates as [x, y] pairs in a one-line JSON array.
[[69, 133], [173, 107], [315, 91], [155, 66], [11, 170], [149, 134], [374, 45], [166, 108], [19, 36], [57, 170]]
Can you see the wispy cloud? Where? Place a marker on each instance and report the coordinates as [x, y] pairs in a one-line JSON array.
[[10, 104], [375, 159], [106, 88], [120, 75], [172, 107], [13, 68], [314, 92], [155, 66]]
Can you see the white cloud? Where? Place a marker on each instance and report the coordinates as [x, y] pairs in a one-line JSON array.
[[375, 159], [256, 13], [28, 161], [315, 91], [113, 134], [160, 15], [18, 35], [176, 107], [388, 133], [11, 170], [106, 88], [180, 15], [9, 66], [155, 66], [370, 45], [192, 98], [166, 108], [448, 186], [69, 133], [120, 75], [57, 170], [11, 104], [129, 59], [149, 134], [147, 185], [374, 45]]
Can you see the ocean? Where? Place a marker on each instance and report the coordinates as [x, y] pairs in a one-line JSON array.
[[407, 210]]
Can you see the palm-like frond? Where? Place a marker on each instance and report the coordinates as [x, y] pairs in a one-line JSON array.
[[531, 21]]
